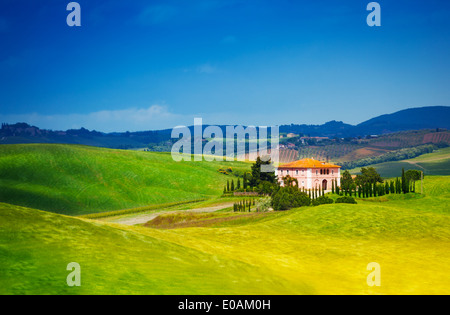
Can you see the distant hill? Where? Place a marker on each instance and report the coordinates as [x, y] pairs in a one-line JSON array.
[[329, 129], [408, 119], [160, 140]]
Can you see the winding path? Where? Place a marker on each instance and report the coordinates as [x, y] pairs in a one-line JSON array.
[[144, 218]]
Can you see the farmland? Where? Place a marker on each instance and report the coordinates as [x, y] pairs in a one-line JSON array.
[[312, 250], [308, 250], [436, 163], [353, 149]]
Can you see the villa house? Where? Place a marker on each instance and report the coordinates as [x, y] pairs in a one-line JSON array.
[[310, 173]]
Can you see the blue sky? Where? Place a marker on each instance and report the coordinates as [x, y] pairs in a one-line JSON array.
[[141, 65]]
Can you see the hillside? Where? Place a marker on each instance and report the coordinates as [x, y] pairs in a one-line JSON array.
[[347, 150], [35, 248], [408, 119], [436, 163], [431, 117], [313, 250], [72, 179]]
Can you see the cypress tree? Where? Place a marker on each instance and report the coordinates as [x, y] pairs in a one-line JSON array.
[[244, 181], [232, 185], [238, 184], [332, 187], [228, 185], [404, 183]]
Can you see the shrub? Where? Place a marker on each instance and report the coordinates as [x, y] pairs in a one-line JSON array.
[[289, 197], [263, 204], [346, 199], [322, 201]]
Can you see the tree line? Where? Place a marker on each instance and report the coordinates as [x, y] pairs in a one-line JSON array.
[[370, 184]]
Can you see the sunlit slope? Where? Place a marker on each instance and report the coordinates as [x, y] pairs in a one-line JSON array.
[[329, 247], [74, 179], [312, 250], [36, 246]]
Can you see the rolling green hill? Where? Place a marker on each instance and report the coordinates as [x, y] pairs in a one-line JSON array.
[[312, 250], [37, 246], [72, 179], [436, 163]]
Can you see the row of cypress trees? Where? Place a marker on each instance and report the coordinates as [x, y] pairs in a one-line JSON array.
[[314, 193], [366, 190], [244, 205], [231, 186]]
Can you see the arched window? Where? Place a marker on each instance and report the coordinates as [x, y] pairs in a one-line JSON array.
[[328, 172]]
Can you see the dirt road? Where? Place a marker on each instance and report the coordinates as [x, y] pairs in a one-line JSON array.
[[143, 218]]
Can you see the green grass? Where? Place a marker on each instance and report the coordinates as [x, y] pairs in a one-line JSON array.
[[312, 250], [436, 163], [36, 246], [71, 179]]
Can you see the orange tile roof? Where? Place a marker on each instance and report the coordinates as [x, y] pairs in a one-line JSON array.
[[308, 163]]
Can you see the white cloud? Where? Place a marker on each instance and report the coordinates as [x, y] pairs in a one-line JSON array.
[[155, 117], [131, 119]]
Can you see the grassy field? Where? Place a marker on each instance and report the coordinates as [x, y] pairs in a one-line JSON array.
[[312, 250], [436, 163], [71, 179]]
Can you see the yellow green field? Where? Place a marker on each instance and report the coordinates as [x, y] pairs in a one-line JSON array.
[[312, 250]]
